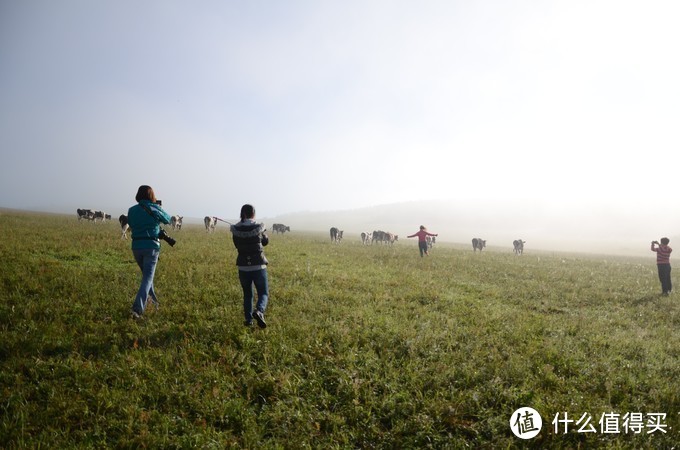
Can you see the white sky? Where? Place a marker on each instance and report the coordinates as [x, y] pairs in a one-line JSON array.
[[316, 106]]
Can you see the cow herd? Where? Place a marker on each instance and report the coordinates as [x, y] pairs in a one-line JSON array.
[[89, 214], [379, 237], [336, 234]]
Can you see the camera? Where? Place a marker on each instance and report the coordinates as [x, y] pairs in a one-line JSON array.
[[159, 202], [163, 235]]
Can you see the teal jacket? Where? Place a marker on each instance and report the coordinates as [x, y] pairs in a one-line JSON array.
[[145, 227]]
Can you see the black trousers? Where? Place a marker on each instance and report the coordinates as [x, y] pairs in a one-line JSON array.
[[665, 278]]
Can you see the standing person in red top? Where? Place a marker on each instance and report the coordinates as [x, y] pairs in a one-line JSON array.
[[422, 240], [663, 263]]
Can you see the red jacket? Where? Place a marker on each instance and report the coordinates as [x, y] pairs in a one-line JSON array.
[[422, 235]]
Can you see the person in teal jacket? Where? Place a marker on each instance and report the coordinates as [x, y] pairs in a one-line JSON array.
[[144, 219]]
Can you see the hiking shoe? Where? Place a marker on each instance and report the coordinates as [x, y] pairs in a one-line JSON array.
[[248, 323], [136, 315], [260, 319]]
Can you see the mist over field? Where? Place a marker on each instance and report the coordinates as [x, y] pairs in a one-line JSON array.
[[597, 229], [553, 122], [592, 229]]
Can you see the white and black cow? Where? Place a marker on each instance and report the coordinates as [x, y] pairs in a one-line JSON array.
[[99, 215], [478, 244], [176, 222], [377, 236], [280, 228], [123, 220], [518, 246], [85, 214], [365, 238], [336, 234], [210, 223]]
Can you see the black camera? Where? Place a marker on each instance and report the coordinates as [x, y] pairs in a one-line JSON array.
[[163, 235], [159, 202]]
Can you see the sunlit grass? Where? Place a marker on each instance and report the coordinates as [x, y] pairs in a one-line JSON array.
[[366, 346]]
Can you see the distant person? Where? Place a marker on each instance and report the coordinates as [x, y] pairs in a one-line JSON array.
[[663, 263], [249, 239], [422, 240], [144, 220]]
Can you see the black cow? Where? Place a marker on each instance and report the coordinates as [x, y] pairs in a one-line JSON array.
[[280, 228], [377, 236], [336, 234], [478, 244], [518, 246]]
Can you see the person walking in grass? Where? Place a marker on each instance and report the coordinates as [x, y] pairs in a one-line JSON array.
[[249, 239], [663, 263], [144, 220], [422, 240]]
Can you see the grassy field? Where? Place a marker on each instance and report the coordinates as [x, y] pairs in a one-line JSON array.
[[367, 347]]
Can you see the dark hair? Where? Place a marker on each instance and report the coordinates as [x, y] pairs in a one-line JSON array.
[[145, 193], [247, 212], [665, 241], [422, 227]]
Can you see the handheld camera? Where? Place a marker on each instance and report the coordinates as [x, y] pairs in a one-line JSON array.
[[163, 235]]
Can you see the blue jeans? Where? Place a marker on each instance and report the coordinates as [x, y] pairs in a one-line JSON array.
[[259, 279], [146, 258]]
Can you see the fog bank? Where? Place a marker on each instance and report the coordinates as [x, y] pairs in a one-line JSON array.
[[593, 228]]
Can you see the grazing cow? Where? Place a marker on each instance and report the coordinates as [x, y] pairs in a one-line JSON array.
[[176, 222], [280, 228], [123, 220], [478, 244], [85, 214], [431, 240], [378, 236], [365, 238], [391, 238], [107, 216], [99, 215], [336, 234], [518, 246], [210, 223]]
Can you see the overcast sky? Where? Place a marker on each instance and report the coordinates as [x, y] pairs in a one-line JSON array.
[[333, 105]]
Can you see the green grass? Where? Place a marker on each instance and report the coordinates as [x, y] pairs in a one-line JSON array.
[[367, 347]]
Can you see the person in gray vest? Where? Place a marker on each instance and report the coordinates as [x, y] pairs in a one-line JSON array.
[[249, 239]]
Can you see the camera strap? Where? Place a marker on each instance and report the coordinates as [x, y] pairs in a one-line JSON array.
[[146, 208]]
